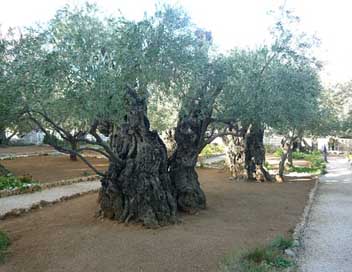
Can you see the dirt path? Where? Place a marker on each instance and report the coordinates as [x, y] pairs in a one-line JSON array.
[[26, 201], [67, 236], [328, 236], [52, 168]]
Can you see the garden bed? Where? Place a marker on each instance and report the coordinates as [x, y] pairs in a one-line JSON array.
[[240, 216], [50, 169]]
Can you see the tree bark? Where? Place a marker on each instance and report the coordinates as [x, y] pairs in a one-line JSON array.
[[74, 147], [287, 151], [290, 157], [235, 156], [169, 140], [189, 136], [255, 155], [138, 187], [3, 139]]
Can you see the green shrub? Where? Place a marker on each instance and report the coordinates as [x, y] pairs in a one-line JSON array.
[[282, 243], [261, 259], [298, 155], [10, 182], [278, 152], [212, 149], [4, 244], [317, 163], [268, 166]]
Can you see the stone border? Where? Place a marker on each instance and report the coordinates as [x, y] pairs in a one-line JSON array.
[[42, 204], [38, 187], [43, 153], [30, 154], [300, 227]]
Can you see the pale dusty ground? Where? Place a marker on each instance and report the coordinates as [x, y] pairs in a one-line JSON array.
[[240, 215], [328, 236], [24, 150], [25, 201]]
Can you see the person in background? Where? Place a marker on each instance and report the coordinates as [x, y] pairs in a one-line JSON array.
[[325, 153]]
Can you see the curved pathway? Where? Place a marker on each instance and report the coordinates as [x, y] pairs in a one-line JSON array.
[[327, 238]]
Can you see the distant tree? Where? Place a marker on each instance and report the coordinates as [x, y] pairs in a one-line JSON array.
[[251, 100], [82, 75], [11, 111]]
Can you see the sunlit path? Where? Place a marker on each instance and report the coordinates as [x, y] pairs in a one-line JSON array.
[[26, 201], [328, 236]]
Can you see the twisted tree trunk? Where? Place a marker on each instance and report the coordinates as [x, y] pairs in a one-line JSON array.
[[3, 136], [137, 186], [189, 136], [235, 156], [285, 155], [255, 155], [74, 147]]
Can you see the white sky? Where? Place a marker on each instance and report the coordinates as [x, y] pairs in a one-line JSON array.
[[242, 23]]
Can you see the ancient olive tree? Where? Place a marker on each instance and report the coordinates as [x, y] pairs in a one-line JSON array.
[[82, 75], [11, 111], [250, 100], [299, 107]]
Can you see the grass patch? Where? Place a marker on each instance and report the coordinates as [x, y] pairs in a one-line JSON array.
[[11, 182], [4, 244], [317, 163], [270, 258], [278, 152]]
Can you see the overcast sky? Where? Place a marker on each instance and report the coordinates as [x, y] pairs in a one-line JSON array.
[[242, 23]]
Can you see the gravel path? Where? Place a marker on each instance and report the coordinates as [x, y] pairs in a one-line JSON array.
[[328, 236], [26, 201], [214, 159]]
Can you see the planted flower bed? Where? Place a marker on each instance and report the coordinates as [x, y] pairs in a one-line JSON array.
[[10, 182]]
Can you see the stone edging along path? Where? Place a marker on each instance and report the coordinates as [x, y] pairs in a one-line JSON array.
[[300, 227], [43, 186], [10, 156], [18, 205]]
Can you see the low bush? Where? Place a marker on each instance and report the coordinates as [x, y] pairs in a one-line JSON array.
[[298, 155], [317, 163], [261, 259], [4, 244], [11, 182], [278, 152]]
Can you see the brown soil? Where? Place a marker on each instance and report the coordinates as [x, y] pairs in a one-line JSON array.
[[240, 215], [52, 168]]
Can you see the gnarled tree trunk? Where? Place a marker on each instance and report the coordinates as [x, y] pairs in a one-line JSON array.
[[137, 186], [3, 139], [73, 155], [235, 156], [255, 155], [285, 155], [189, 140]]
